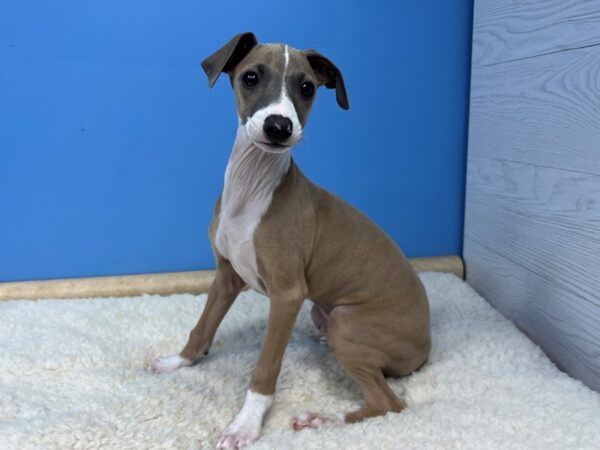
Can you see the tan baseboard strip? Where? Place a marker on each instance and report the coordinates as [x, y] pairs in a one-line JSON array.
[[452, 264], [161, 283], [117, 286]]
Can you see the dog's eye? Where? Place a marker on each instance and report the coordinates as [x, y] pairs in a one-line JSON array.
[[250, 79], [307, 89]]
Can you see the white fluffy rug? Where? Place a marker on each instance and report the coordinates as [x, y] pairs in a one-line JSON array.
[[72, 376]]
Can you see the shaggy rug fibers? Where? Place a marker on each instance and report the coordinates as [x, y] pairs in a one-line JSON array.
[[72, 376]]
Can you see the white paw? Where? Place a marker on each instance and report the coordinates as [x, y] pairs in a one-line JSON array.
[[246, 426], [312, 420], [168, 364], [237, 437]]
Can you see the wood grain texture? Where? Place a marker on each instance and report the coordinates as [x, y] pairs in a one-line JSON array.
[[506, 30], [544, 111], [546, 220], [532, 213], [532, 247], [530, 300]]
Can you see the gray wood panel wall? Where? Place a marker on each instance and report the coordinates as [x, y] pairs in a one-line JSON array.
[[532, 218]]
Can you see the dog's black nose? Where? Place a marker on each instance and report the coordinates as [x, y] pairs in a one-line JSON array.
[[277, 128]]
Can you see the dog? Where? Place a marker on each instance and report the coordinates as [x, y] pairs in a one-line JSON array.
[[275, 231]]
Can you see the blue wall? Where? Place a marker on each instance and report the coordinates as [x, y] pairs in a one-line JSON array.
[[112, 148]]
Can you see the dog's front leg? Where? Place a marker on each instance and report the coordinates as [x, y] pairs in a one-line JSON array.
[[223, 291], [245, 428]]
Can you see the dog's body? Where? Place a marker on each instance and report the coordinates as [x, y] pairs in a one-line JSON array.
[[280, 234]]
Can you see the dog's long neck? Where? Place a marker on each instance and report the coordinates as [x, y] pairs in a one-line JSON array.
[[252, 175]]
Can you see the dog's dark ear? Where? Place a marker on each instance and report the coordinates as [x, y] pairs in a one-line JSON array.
[[226, 58], [328, 75]]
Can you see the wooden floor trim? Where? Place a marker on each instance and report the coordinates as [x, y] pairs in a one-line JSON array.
[[161, 283]]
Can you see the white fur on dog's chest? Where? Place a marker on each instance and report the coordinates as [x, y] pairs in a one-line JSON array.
[[235, 240], [251, 178]]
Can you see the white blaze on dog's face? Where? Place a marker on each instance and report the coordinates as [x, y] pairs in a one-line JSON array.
[[275, 86]]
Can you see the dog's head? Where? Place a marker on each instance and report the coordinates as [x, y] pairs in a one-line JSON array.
[[275, 86]]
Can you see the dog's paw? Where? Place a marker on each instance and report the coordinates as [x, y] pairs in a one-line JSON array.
[[312, 420], [245, 428], [237, 437], [168, 364]]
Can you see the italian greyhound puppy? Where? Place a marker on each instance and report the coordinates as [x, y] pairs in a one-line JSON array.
[[278, 233]]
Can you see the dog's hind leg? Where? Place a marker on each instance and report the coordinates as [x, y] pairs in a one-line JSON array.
[[364, 359], [379, 397], [223, 291]]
